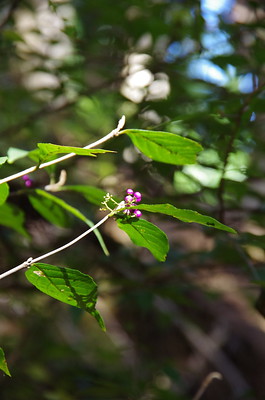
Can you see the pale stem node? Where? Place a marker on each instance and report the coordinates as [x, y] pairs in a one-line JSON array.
[[206, 382], [54, 187], [113, 133]]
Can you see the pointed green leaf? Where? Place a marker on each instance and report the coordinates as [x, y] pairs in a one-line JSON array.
[[74, 211], [164, 146], [185, 215], [3, 160], [49, 149], [12, 217], [144, 234], [67, 285], [3, 363], [4, 192]]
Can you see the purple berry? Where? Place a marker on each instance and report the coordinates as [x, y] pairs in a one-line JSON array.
[[137, 213], [25, 178], [130, 192], [138, 197], [28, 183], [128, 199]]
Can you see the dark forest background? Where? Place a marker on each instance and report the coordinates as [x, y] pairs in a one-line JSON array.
[[68, 71]]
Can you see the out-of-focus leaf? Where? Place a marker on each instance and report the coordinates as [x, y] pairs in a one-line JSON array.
[[164, 146], [91, 193], [67, 285], [3, 363], [4, 192], [14, 154], [74, 211], [247, 238], [185, 215], [49, 210], [12, 217], [49, 149], [12, 35], [144, 234]]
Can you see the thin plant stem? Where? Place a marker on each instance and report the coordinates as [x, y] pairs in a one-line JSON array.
[[31, 260], [209, 378], [113, 133]]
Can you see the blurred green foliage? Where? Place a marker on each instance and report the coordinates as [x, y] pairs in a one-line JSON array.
[[68, 71]]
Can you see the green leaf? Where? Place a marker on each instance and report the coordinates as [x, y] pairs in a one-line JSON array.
[[247, 238], [35, 155], [3, 363], [164, 146], [4, 192], [144, 234], [49, 149], [184, 215], [12, 36], [14, 154], [12, 217], [49, 210], [67, 285], [61, 203], [3, 160], [91, 193]]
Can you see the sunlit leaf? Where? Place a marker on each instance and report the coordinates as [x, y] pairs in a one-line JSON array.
[[144, 234], [14, 154], [35, 155], [3, 363], [4, 192], [164, 146], [72, 210], [67, 285], [185, 215], [49, 149]]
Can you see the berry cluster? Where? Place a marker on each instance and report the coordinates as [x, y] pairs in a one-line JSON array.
[[27, 180], [131, 199]]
